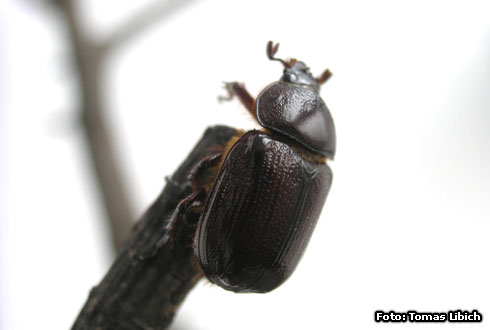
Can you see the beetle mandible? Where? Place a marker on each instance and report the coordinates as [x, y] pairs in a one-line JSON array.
[[262, 195]]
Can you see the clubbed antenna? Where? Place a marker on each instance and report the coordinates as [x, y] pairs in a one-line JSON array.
[[272, 50]]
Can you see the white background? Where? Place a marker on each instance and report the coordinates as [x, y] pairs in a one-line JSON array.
[[407, 222]]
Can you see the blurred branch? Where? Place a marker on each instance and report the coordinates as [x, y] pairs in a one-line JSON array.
[[142, 21], [88, 58], [145, 294], [146, 284]]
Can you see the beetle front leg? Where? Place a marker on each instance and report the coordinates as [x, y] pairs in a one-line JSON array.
[[323, 77], [236, 89]]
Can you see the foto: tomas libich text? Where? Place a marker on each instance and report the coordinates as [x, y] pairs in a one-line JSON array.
[[415, 316]]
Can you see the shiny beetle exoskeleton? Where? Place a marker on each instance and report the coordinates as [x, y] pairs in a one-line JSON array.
[[271, 185]]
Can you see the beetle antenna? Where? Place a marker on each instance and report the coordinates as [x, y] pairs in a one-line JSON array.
[[323, 77], [272, 50]]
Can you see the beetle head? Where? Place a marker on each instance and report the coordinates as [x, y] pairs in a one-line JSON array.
[[296, 72], [299, 74]]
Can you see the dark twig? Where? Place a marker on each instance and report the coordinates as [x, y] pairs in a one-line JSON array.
[[144, 294]]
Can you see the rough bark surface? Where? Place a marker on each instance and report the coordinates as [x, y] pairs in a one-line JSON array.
[[145, 285]]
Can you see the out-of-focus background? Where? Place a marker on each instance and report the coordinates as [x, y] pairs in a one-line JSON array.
[[406, 225]]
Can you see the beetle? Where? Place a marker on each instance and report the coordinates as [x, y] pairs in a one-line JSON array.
[[271, 185], [261, 196]]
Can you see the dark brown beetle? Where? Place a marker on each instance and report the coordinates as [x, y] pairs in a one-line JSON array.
[[270, 186]]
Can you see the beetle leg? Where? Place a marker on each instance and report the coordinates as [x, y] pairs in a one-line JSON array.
[[197, 175], [236, 89], [324, 77], [195, 199], [199, 180], [170, 181]]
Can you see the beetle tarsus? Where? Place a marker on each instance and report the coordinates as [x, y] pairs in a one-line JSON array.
[[170, 181], [236, 89], [229, 96]]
